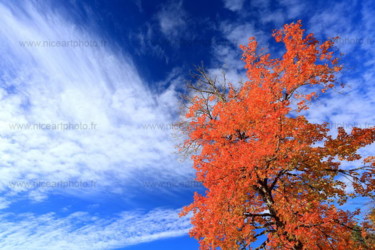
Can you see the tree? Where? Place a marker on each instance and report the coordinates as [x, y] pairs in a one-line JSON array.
[[270, 174]]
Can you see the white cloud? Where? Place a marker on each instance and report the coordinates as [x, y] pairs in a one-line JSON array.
[[353, 104], [294, 8], [84, 84], [276, 17], [227, 55], [234, 5], [81, 230], [172, 20]]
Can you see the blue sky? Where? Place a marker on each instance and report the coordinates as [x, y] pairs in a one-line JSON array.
[[89, 92]]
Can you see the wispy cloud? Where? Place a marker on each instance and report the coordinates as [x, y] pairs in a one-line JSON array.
[[234, 5], [53, 72], [74, 112], [227, 53], [172, 20], [81, 230], [294, 8]]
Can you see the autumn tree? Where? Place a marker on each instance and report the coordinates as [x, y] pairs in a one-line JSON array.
[[270, 175]]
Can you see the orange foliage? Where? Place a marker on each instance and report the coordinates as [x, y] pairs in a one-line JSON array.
[[257, 158]]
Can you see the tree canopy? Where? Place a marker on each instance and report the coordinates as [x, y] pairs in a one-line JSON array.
[[270, 175]]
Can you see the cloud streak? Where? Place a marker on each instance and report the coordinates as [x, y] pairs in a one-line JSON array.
[[54, 72], [234, 5], [75, 110], [81, 230]]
